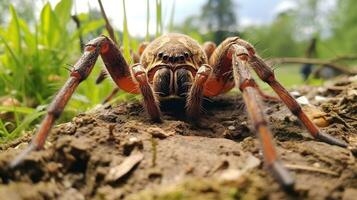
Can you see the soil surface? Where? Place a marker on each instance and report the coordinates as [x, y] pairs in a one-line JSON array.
[[117, 153]]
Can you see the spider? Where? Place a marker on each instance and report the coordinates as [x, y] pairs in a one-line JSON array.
[[176, 65]]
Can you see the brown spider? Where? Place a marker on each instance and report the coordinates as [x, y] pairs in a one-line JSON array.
[[175, 64]]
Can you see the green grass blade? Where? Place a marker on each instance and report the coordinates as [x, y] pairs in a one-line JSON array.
[[25, 123], [51, 31], [14, 30], [3, 130], [147, 37], [158, 18], [126, 37], [172, 16], [28, 37], [63, 11], [17, 109], [13, 55]]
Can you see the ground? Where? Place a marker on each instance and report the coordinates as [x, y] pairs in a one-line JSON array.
[[117, 153]]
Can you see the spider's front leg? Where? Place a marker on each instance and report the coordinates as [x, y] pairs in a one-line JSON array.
[[151, 102], [247, 86], [117, 68], [195, 95]]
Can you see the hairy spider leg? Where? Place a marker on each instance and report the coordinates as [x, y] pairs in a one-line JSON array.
[[117, 68], [195, 95], [266, 74], [103, 73], [151, 102], [220, 58], [247, 86]]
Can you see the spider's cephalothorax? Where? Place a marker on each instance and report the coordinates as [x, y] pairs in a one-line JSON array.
[[171, 62], [175, 64]]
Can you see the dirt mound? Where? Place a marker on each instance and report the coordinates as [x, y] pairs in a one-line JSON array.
[[117, 153]]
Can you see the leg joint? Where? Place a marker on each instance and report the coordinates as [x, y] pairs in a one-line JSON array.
[[264, 72], [79, 75], [267, 76], [55, 112], [296, 109], [247, 83], [259, 124]]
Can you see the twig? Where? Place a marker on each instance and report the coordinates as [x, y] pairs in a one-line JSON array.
[[315, 61], [312, 169], [344, 57]]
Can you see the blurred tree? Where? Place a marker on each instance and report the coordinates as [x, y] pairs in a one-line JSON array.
[[191, 26], [219, 15], [344, 27], [307, 17], [276, 39], [216, 21], [219, 18]]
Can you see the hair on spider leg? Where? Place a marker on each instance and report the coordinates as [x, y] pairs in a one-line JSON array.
[[275, 67], [228, 73], [187, 84], [256, 43], [241, 106], [158, 93], [134, 89], [69, 67], [263, 51], [207, 99], [203, 110]]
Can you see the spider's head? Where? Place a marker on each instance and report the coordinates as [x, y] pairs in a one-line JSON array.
[[171, 62]]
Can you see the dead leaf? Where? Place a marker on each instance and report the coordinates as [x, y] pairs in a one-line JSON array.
[[317, 116], [231, 174], [251, 162], [234, 174], [125, 167], [159, 133]]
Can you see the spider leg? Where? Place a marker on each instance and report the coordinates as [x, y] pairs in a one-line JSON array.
[[262, 93], [195, 95], [208, 48], [266, 74], [111, 95], [220, 58], [117, 68], [151, 102], [250, 93], [103, 73]]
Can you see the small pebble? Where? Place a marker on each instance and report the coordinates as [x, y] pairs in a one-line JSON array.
[[302, 100], [231, 128], [316, 164], [295, 94]]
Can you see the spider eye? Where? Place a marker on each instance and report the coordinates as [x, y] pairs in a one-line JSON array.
[[186, 54], [176, 58], [160, 54], [165, 57], [182, 58]]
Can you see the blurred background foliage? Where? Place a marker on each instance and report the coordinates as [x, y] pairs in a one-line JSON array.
[[36, 52]]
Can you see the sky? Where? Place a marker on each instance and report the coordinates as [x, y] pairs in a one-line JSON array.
[[249, 11]]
